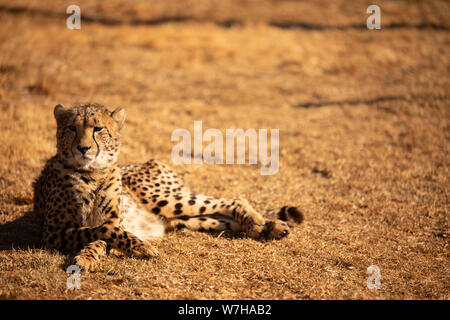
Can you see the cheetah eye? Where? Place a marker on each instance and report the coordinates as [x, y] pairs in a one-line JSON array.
[[98, 129], [72, 128]]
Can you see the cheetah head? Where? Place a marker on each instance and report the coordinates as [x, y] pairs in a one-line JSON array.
[[88, 136]]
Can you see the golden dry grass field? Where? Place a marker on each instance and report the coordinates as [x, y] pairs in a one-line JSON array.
[[364, 140]]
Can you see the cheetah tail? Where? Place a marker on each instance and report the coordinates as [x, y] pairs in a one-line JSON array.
[[293, 213]]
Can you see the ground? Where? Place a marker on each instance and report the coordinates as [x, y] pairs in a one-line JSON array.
[[364, 139]]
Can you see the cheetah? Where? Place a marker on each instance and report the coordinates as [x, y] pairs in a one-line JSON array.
[[90, 205]]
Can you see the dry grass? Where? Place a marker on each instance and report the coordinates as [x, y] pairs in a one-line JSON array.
[[367, 161]]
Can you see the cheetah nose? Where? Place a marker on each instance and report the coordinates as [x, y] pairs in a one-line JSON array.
[[83, 150]]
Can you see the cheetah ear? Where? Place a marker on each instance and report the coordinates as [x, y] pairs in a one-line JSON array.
[[59, 112], [119, 116]]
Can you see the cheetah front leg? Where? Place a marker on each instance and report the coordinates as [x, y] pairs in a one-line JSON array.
[[95, 240], [88, 258]]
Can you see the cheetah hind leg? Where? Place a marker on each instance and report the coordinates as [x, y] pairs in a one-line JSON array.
[[253, 223], [270, 230], [246, 218], [203, 213]]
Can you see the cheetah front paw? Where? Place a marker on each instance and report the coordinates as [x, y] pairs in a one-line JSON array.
[[85, 263]]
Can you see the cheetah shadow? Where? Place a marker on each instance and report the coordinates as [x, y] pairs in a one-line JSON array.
[[26, 233], [22, 233]]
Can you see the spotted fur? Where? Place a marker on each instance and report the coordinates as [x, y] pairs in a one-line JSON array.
[[90, 204]]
